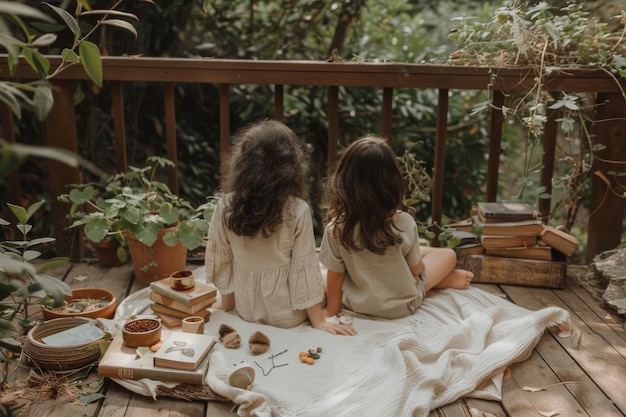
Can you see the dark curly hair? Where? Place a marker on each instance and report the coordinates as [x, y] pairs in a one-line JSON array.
[[266, 168], [366, 190]]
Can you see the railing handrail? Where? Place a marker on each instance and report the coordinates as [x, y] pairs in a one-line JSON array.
[[348, 74], [605, 225]]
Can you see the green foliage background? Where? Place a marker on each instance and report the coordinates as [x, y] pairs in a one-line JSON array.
[[413, 31]]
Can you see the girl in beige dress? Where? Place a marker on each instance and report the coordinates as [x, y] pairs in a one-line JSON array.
[[261, 251], [371, 246]]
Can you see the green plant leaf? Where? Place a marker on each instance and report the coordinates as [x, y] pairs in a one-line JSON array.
[[97, 229], [43, 102], [37, 62], [69, 21], [19, 212], [121, 24], [91, 61], [52, 263], [7, 342], [69, 56]]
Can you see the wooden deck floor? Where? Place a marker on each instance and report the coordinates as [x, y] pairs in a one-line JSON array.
[[588, 379]]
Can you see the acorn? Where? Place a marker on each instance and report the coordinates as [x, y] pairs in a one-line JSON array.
[[259, 343], [229, 336]]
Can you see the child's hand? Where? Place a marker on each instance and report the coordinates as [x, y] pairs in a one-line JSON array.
[[336, 328]]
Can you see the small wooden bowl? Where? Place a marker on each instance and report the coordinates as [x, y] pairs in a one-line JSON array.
[[106, 311], [182, 280], [141, 332]]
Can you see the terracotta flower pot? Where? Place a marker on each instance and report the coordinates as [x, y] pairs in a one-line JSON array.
[[151, 263], [106, 252]]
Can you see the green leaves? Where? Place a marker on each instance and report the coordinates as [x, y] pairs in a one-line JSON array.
[[91, 62]]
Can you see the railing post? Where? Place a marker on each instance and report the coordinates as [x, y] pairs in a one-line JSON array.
[[547, 168], [439, 167], [61, 134], [224, 132], [170, 134], [606, 204], [279, 102], [495, 145], [8, 134], [120, 126], [387, 114], [333, 125]]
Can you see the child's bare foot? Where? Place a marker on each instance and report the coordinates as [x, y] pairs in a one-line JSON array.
[[459, 279]]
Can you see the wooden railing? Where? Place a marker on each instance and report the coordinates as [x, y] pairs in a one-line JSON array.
[[606, 208]]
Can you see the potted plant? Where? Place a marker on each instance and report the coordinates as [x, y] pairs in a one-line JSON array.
[[22, 279], [137, 209]]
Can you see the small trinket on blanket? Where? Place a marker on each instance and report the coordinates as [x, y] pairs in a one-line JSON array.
[[259, 343], [242, 377], [229, 336]]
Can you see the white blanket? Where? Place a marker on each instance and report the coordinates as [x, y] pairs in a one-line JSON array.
[[457, 344]]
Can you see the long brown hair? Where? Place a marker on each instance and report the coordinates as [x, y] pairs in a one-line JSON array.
[[266, 168], [365, 191]]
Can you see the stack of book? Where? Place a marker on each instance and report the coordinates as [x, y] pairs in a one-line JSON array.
[[174, 305], [517, 247], [511, 230], [181, 358]]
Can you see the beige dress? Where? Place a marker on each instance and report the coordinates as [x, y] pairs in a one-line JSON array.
[[274, 279], [379, 285]]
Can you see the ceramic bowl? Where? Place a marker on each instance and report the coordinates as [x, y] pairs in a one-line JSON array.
[[141, 332], [85, 302]]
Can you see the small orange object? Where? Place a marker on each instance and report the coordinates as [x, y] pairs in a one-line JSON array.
[[310, 361]]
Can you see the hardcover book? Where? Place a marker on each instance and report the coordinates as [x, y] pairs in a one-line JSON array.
[[184, 350], [526, 272], [492, 212], [522, 227], [121, 361], [469, 249], [177, 305], [199, 293], [559, 240], [539, 251], [502, 241], [160, 308]]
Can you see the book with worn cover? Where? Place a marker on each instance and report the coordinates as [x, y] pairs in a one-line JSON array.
[[202, 291], [184, 350], [526, 272], [538, 251], [177, 305], [559, 240], [503, 241], [492, 212], [469, 249], [160, 308], [522, 227], [121, 361]]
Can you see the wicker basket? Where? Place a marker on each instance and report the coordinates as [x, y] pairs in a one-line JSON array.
[[57, 358]]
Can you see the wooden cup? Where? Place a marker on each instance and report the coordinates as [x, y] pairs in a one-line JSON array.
[[193, 324]]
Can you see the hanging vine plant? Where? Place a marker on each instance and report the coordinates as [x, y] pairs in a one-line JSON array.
[[550, 39]]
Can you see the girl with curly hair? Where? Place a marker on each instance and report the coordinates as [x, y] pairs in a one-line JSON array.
[[261, 252]]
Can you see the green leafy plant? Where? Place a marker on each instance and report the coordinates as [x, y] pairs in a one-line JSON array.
[[137, 202], [20, 40], [549, 39], [21, 273]]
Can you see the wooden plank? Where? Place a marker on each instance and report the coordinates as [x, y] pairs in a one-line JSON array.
[[607, 369], [220, 409], [585, 390], [455, 409], [614, 336], [536, 373], [492, 407], [115, 402], [607, 315]]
